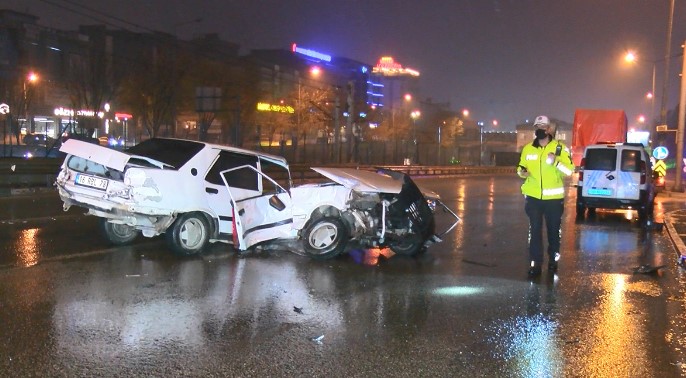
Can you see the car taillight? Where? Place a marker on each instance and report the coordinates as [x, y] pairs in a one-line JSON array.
[[234, 230], [660, 181], [581, 169], [643, 172]]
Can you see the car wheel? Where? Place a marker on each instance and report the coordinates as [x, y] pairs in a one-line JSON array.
[[118, 234], [188, 235], [325, 238], [410, 246]]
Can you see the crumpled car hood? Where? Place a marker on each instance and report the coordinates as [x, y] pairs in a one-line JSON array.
[[367, 181], [360, 180]]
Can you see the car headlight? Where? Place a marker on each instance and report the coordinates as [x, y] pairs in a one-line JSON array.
[[432, 205]]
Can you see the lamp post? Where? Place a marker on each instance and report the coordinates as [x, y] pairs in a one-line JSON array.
[[31, 78], [679, 159], [481, 140], [415, 114]]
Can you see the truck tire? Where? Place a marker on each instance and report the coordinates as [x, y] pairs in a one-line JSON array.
[[188, 235], [116, 233], [325, 237]]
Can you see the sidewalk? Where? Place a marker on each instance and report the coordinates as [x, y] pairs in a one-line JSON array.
[[675, 221]]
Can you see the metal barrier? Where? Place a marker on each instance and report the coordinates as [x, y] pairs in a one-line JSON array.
[[41, 172], [28, 173]]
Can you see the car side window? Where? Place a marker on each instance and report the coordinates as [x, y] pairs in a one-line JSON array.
[[242, 178], [631, 161], [277, 173]]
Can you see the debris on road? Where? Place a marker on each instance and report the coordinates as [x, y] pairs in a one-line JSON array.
[[647, 269]]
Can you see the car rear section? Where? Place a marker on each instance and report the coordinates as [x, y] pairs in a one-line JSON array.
[[615, 176], [123, 188]]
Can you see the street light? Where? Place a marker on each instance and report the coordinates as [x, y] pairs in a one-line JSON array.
[[31, 78], [415, 114], [631, 57]]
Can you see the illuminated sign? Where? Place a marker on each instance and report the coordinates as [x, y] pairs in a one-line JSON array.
[[4, 108], [311, 53], [122, 116], [660, 152], [389, 67], [265, 107], [64, 112]]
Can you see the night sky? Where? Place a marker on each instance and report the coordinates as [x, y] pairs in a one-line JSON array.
[[507, 60]]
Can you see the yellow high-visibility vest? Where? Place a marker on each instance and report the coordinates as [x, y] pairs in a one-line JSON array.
[[546, 179]]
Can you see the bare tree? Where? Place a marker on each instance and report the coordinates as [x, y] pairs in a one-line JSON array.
[[312, 107], [152, 87]]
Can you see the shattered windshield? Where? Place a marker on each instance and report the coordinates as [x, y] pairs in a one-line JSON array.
[[169, 151]]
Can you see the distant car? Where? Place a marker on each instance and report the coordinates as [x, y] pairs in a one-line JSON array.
[[84, 138], [616, 176], [111, 141], [34, 140], [197, 193]]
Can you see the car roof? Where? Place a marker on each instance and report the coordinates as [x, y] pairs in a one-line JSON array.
[[616, 145], [275, 158], [118, 160]]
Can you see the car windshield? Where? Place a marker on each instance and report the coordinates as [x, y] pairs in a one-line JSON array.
[[169, 151]]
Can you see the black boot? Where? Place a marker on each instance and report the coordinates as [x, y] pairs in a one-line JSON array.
[[552, 264], [534, 269]]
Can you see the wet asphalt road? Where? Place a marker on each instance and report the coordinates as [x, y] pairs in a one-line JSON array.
[[72, 306]]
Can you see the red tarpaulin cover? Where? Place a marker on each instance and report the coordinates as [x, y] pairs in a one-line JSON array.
[[596, 126]]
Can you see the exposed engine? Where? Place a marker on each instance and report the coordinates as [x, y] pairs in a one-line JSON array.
[[375, 219]]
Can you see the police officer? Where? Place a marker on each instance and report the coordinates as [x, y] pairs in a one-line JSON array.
[[543, 165]]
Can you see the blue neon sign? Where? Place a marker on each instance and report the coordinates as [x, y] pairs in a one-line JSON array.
[[311, 53]]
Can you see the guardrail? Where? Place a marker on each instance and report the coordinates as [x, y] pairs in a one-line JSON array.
[[27, 173], [41, 172]]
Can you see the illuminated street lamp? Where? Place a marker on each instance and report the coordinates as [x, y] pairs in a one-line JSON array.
[[465, 112], [631, 57], [31, 78], [415, 114]]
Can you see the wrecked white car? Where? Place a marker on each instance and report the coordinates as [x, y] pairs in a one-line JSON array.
[[197, 193]]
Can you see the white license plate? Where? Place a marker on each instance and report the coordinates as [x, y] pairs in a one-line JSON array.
[[91, 181], [600, 192]]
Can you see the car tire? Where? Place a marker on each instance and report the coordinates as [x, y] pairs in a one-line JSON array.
[[116, 233], [325, 237], [188, 235], [410, 246]]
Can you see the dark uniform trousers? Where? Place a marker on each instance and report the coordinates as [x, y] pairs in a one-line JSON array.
[[550, 210]]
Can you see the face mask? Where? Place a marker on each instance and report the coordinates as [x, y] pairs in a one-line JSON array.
[[541, 134]]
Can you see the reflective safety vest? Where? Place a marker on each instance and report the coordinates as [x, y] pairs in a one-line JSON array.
[[546, 178]]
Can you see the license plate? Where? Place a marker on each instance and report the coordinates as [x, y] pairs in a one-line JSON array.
[[599, 192], [91, 181]]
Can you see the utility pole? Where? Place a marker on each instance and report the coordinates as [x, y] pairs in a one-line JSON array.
[[679, 158], [349, 120], [665, 80], [337, 132]]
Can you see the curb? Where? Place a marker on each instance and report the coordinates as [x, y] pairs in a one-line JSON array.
[[676, 238]]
